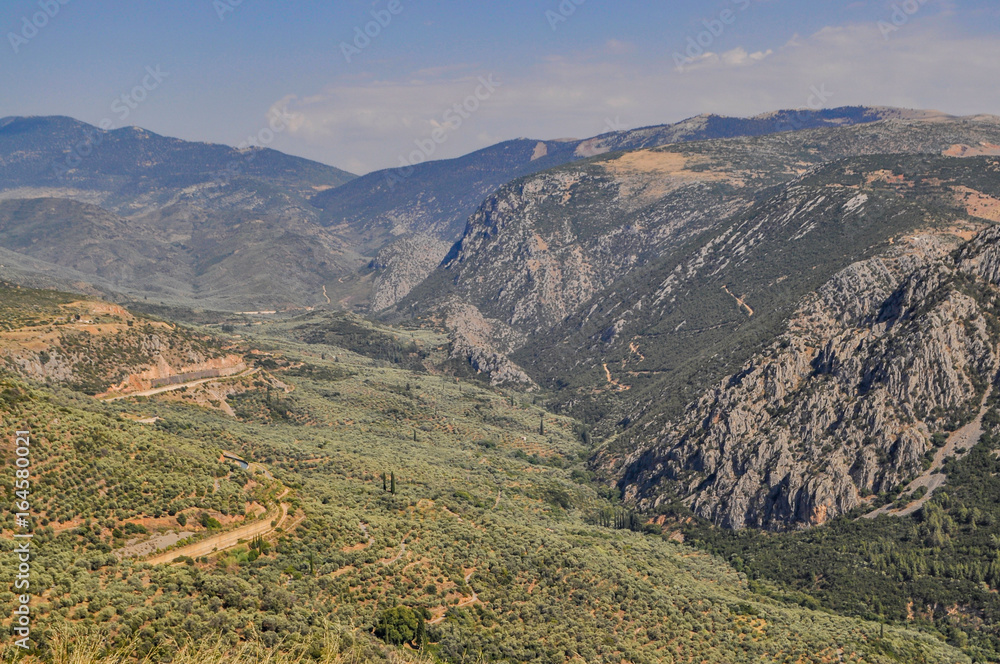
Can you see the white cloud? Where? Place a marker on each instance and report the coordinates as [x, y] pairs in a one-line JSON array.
[[737, 57], [926, 64]]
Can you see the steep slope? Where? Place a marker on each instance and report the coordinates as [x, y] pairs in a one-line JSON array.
[[435, 199], [846, 405], [558, 250], [401, 265], [672, 346], [867, 374]]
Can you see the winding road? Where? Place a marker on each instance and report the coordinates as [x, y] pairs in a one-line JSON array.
[[466, 601]]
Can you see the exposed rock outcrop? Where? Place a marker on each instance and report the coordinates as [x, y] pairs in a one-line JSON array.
[[402, 265], [844, 405]]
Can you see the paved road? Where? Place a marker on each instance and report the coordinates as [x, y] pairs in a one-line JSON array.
[[180, 386], [225, 540]]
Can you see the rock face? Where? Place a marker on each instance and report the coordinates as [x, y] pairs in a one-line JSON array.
[[161, 373], [843, 405], [560, 252], [402, 265], [484, 343], [102, 349], [773, 329], [541, 247]]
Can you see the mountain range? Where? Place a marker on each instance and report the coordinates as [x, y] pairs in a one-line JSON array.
[[688, 290], [195, 219], [728, 372]]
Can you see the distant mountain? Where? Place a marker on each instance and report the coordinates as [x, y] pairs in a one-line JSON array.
[[205, 225], [436, 198], [146, 216], [181, 254], [132, 164]]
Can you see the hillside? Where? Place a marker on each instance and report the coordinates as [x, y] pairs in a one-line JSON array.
[[427, 205], [487, 525], [100, 348], [634, 284], [890, 352], [436, 198], [145, 216], [555, 241]]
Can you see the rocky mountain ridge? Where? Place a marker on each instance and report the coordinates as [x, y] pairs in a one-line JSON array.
[[536, 253], [591, 280], [845, 405]]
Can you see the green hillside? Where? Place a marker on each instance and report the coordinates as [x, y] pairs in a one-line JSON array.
[[419, 508]]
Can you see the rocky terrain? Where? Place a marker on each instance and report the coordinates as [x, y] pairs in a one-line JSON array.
[[707, 296], [402, 265], [558, 250], [647, 287], [437, 197], [100, 348], [846, 403]]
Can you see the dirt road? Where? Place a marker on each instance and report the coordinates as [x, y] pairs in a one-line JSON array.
[[933, 479], [465, 601]]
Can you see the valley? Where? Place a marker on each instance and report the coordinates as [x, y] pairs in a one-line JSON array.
[[397, 332], [439, 540], [659, 395]]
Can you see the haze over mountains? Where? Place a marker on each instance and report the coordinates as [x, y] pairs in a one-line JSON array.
[[196, 219], [775, 339], [648, 278]]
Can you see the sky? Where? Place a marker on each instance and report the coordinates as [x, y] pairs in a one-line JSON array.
[[361, 84]]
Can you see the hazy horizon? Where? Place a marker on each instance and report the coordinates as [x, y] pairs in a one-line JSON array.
[[360, 82]]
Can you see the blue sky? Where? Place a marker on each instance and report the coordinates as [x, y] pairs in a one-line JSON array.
[[564, 69]]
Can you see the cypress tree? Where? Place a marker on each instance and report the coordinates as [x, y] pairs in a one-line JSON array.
[[392, 485], [541, 425], [384, 488]]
